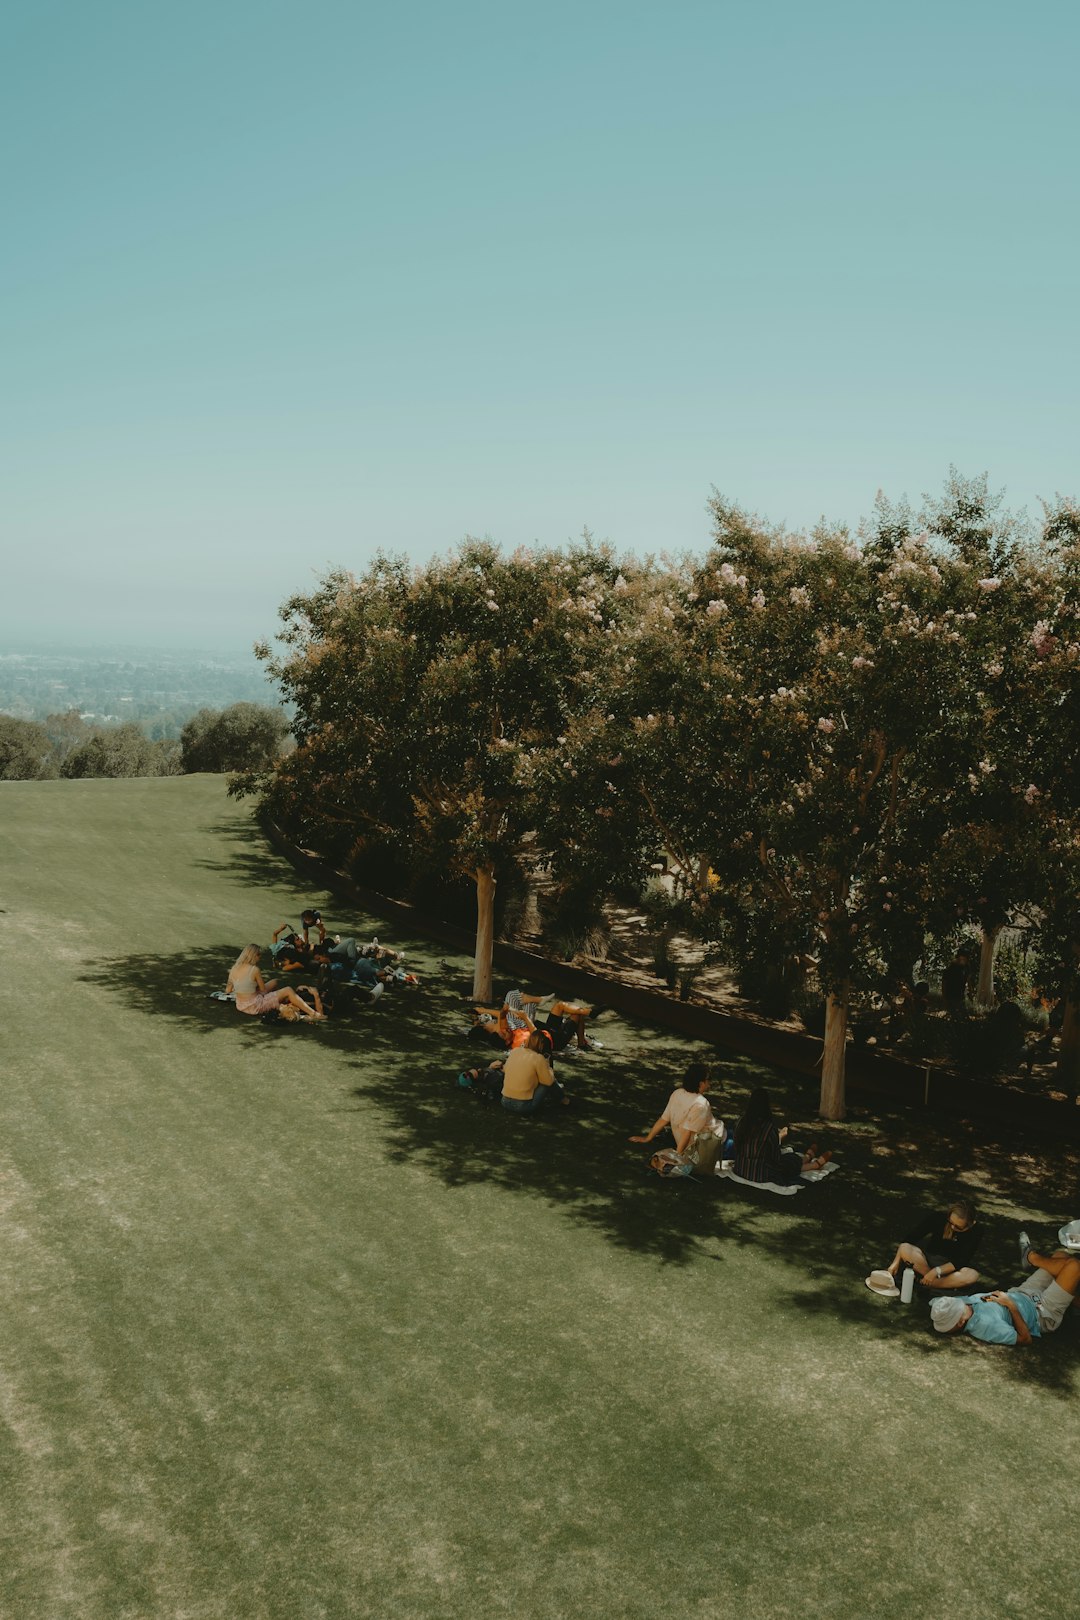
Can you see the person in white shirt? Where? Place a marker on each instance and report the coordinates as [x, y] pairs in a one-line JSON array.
[[698, 1133]]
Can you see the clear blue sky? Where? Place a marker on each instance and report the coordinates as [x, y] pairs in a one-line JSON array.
[[282, 283]]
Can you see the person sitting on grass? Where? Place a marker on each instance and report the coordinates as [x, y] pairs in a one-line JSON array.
[[698, 1134], [940, 1248], [255, 997], [529, 1082], [1016, 1315], [310, 919], [758, 1146]]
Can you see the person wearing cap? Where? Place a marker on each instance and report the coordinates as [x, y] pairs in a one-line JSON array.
[[1015, 1315]]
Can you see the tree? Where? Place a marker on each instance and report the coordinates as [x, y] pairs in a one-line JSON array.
[[425, 699], [122, 751], [802, 703], [243, 737], [25, 752]]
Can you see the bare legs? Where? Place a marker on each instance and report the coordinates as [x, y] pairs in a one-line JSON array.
[[578, 1016], [908, 1254], [299, 1006], [1063, 1267]]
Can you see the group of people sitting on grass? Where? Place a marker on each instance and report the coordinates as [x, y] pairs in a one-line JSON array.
[[330, 961], [939, 1250], [523, 1079], [754, 1149]]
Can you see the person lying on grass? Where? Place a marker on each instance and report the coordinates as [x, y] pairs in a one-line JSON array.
[[503, 1027], [508, 1025], [698, 1134], [1016, 1315], [940, 1248], [488, 1082], [529, 1082], [293, 954], [759, 1154], [564, 1021], [255, 997], [362, 971], [349, 950]]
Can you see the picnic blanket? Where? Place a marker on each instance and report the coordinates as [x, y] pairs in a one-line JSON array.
[[785, 1189]]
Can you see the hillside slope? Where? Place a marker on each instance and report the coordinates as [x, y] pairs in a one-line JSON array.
[[292, 1328]]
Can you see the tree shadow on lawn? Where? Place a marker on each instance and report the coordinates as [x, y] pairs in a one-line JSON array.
[[400, 1056], [179, 987], [251, 861]]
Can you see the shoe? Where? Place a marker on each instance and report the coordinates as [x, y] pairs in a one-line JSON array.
[[1025, 1246], [887, 1291]]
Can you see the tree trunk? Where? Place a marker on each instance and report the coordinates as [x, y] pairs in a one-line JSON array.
[[834, 1056], [485, 933], [984, 994], [1068, 1063]]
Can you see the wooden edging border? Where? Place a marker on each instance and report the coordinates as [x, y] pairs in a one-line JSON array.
[[870, 1074]]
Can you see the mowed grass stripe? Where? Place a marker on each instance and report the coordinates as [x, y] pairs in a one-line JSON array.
[[293, 1329]]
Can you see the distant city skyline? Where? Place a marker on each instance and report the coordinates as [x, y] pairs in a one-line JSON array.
[[283, 285]]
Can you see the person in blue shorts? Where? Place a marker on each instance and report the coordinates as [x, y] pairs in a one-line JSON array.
[[1016, 1315]]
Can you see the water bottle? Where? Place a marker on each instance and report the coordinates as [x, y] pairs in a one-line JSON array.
[[907, 1285]]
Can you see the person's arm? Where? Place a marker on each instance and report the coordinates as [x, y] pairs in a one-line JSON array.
[[257, 979], [655, 1132], [1000, 1297], [279, 930]]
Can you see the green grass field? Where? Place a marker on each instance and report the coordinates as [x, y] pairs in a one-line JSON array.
[[292, 1328]]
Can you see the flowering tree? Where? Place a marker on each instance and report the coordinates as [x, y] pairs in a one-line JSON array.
[[802, 706], [424, 699]]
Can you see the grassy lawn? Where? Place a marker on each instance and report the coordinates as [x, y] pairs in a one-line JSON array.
[[292, 1328]]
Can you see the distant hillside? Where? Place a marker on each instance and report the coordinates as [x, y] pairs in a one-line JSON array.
[[157, 689]]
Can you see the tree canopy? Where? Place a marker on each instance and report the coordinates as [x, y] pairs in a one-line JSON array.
[[847, 743]]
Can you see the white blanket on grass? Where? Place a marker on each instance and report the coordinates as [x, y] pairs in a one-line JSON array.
[[785, 1189]]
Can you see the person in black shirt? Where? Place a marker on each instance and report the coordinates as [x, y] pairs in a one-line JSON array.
[[940, 1248]]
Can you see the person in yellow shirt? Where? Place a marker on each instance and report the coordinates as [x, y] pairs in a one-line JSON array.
[[529, 1082]]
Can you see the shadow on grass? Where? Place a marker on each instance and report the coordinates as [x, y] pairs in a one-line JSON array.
[[400, 1055], [249, 861]]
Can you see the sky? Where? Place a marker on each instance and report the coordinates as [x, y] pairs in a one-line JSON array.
[[283, 284]]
